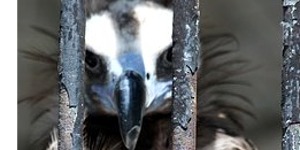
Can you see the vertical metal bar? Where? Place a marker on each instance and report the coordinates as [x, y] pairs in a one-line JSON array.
[[291, 75], [185, 63], [71, 71]]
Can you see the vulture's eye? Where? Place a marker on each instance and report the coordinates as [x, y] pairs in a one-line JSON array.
[[164, 64], [95, 65], [167, 55], [92, 61]]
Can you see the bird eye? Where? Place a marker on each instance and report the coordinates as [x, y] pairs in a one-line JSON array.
[[164, 64], [167, 54], [92, 61], [94, 64]]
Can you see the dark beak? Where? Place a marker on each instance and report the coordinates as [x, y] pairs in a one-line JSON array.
[[130, 99]]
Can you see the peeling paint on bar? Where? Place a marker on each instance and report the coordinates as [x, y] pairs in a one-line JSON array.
[[186, 52], [291, 75], [71, 70]]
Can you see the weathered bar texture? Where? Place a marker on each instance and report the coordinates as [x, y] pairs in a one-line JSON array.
[[291, 75], [185, 63], [71, 70]]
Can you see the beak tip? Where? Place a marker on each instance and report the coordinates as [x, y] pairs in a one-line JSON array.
[[131, 138]]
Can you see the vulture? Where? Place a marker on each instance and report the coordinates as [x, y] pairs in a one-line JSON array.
[[128, 83]]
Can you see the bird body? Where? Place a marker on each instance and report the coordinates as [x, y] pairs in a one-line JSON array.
[[128, 82]]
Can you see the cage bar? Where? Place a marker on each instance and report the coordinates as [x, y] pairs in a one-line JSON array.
[[71, 71], [186, 52], [291, 75]]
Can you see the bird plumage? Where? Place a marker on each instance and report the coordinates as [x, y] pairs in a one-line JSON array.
[[116, 34]]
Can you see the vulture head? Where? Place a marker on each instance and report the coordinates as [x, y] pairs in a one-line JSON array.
[[128, 63], [128, 82]]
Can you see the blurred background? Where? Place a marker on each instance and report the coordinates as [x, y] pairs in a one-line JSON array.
[[255, 24]]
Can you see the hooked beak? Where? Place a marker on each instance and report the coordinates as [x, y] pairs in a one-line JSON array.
[[130, 99]]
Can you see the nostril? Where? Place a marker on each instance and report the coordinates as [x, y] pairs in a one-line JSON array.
[[148, 76], [113, 78]]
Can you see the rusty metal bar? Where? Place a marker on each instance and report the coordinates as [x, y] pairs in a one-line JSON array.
[[291, 75], [185, 63], [71, 71]]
